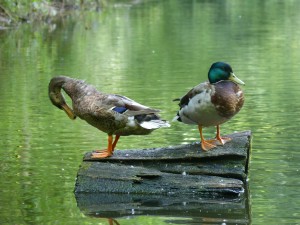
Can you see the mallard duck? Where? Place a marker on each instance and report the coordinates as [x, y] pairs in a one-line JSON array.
[[111, 113], [212, 103]]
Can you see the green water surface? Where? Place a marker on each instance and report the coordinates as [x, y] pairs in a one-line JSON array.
[[153, 52]]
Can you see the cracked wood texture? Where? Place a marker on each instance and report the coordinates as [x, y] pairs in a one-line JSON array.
[[174, 170]]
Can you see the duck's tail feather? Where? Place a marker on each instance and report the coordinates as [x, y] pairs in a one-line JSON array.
[[177, 118], [154, 124]]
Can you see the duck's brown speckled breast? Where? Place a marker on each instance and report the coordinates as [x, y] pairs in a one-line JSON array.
[[228, 98]]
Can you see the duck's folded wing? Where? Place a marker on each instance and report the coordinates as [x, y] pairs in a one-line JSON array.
[[117, 105], [193, 92], [129, 107]]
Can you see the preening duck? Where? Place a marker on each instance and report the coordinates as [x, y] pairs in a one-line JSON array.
[[111, 113], [212, 103]]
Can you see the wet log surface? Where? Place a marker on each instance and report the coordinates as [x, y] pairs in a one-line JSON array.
[[175, 170]]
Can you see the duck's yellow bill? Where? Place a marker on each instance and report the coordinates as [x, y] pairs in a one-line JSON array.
[[235, 79], [69, 111]]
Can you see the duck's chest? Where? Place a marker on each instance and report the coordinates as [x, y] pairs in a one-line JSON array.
[[214, 106], [200, 110]]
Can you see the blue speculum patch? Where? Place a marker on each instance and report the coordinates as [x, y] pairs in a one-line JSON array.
[[119, 109]]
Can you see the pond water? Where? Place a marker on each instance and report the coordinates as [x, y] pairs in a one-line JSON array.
[[153, 52]]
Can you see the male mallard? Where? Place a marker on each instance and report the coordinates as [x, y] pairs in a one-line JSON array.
[[113, 114], [212, 103]]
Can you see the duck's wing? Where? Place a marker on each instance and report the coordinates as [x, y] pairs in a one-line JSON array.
[[145, 116], [190, 101], [122, 104], [120, 108], [200, 88]]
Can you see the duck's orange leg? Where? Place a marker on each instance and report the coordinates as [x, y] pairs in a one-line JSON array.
[[222, 140], [110, 148], [115, 142], [112, 221], [205, 145]]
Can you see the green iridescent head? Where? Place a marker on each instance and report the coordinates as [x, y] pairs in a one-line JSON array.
[[222, 71]]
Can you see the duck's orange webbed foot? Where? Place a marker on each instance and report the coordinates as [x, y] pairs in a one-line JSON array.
[[221, 140], [218, 141], [100, 154], [207, 144]]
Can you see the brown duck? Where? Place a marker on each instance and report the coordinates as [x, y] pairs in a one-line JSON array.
[[113, 114]]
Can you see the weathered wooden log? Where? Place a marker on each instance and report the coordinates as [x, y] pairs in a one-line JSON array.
[[178, 170]]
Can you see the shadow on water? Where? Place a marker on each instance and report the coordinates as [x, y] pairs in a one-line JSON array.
[[231, 209]]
